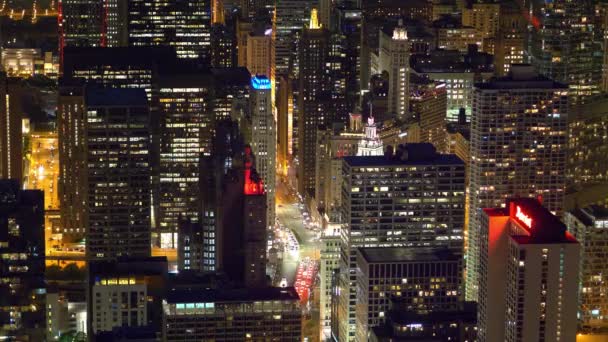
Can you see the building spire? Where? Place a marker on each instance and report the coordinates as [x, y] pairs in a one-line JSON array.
[[400, 33], [314, 20]]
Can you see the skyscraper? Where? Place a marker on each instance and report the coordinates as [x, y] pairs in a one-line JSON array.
[[255, 227], [384, 206], [510, 38], [528, 275], [186, 132], [81, 23], [561, 45], [117, 156], [11, 138], [290, 18], [264, 139], [395, 59], [518, 148], [313, 51], [184, 25], [588, 225], [22, 314], [260, 52]]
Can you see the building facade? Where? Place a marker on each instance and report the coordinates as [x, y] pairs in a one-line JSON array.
[[395, 59], [22, 285], [117, 157], [229, 315], [588, 225], [385, 204], [423, 280], [264, 139], [529, 275], [518, 148]]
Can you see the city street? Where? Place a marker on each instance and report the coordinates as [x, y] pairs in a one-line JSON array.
[[290, 215], [43, 168]]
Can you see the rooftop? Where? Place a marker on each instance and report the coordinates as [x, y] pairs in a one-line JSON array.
[[398, 254], [521, 76], [542, 226], [453, 61], [117, 97], [410, 154], [591, 213], [232, 295]]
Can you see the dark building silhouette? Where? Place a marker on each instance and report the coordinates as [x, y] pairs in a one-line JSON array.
[[22, 286]]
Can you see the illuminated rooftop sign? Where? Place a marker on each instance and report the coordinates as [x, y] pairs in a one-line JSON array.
[[521, 216], [260, 83]]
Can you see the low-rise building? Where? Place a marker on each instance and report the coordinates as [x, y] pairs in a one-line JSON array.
[[272, 314]]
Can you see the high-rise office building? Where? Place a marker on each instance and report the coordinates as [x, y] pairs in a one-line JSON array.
[[588, 143], [333, 144], [116, 154], [264, 139], [260, 52], [395, 59], [384, 205], [11, 138], [72, 151], [561, 45], [349, 23], [231, 93], [510, 38], [223, 46], [424, 280], [268, 313], [518, 148], [329, 264], [184, 25], [81, 23], [22, 285], [450, 34], [588, 225], [529, 268], [459, 71], [428, 104], [186, 129], [312, 91], [255, 227], [209, 244], [284, 106], [450, 325], [290, 18], [105, 179]]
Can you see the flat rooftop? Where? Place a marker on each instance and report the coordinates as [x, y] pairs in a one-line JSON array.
[[413, 154], [232, 295], [544, 227], [399, 254], [123, 97], [521, 76]]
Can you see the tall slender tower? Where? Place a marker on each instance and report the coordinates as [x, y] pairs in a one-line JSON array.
[[518, 148], [395, 58], [314, 50], [264, 139]]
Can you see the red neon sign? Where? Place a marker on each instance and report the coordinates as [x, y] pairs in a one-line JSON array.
[[252, 186], [523, 217]]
